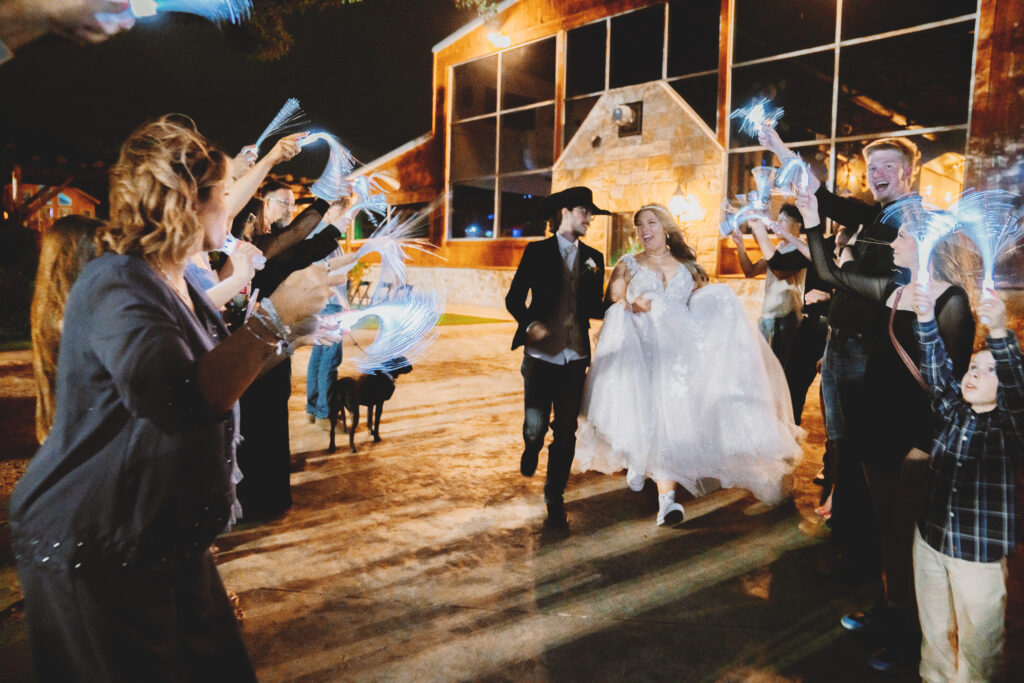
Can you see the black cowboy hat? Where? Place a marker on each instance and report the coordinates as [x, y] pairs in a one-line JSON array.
[[570, 198]]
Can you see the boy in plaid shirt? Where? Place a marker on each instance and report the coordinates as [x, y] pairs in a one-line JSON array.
[[967, 526]]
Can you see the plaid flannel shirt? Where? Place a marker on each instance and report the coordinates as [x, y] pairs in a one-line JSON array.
[[969, 507]]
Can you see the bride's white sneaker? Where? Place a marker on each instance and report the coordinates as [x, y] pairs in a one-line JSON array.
[[670, 513], [635, 480]]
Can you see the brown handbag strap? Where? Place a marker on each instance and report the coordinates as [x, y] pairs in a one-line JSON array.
[[904, 356]]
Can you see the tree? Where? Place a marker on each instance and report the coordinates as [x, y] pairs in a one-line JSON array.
[[265, 37]]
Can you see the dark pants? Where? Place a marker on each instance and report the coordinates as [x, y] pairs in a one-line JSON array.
[[548, 386], [854, 526], [897, 501], [802, 363], [779, 333], [264, 456]]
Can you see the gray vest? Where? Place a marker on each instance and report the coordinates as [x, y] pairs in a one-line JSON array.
[[563, 322]]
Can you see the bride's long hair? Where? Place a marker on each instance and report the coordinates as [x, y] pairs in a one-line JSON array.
[[677, 245]]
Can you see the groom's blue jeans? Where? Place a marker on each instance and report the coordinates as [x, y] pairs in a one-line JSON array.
[[549, 386]]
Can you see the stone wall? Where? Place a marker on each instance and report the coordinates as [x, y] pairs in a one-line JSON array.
[[674, 147]]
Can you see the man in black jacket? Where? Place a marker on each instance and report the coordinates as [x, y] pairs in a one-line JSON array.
[[565, 282], [855, 326]]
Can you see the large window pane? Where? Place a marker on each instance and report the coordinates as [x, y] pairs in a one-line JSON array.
[[473, 209], [868, 17], [473, 148], [701, 93], [520, 204], [801, 85], [584, 62], [764, 28], [528, 74], [918, 79], [693, 36], [527, 139], [942, 167], [638, 40], [476, 87], [576, 112]]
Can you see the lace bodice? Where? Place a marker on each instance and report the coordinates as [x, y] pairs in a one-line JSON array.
[[647, 282]]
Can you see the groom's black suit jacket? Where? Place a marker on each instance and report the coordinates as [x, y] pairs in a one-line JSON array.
[[540, 273]]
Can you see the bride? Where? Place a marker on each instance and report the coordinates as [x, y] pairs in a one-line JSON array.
[[682, 388]]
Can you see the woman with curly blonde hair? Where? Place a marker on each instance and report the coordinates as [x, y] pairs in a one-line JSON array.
[[682, 387], [66, 247], [112, 522]]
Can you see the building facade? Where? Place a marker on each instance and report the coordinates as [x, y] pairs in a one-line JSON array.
[[633, 99]]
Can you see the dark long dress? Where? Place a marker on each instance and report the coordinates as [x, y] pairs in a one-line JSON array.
[[264, 456], [112, 521]]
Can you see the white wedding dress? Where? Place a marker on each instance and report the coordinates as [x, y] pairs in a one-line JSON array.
[[688, 392]]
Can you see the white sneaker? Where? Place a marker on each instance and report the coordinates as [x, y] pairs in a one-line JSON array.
[[635, 480], [670, 513]]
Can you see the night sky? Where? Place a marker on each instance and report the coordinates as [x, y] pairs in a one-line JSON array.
[[362, 72]]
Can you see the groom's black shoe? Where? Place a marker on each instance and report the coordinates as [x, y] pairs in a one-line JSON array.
[[556, 517], [528, 463]]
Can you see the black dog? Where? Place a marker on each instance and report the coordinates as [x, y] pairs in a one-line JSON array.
[[348, 393]]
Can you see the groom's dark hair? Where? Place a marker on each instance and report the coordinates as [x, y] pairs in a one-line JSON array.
[[555, 221]]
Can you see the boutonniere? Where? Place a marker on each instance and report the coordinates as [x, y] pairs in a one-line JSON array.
[[589, 266]]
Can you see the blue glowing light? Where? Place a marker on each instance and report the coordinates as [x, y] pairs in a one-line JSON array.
[[759, 113]]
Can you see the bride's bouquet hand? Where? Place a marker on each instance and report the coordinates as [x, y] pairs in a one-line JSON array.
[[641, 304]]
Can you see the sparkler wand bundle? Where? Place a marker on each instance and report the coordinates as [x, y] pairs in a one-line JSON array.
[[394, 236], [290, 116], [231, 11], [333, 183], [927, 226], [794, 173], [756, 206], [757, 115], [406, 327], [994, 221]]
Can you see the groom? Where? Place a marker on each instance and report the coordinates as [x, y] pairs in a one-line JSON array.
[[565, 280]]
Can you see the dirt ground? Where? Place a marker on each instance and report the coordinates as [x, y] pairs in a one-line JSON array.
[[423, 557]]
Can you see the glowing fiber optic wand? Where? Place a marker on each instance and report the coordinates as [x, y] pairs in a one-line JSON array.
[[756, 115], [231, 11], [927, 226], [994, 221]]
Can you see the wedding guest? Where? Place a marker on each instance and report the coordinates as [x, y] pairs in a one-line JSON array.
[[66, 247], [967, 527], [854, 323], [781, 308], [896, 422], [112, 521]]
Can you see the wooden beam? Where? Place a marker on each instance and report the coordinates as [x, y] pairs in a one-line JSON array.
[[997, 116]]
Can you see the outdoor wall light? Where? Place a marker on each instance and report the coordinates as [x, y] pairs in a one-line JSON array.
[[685, 207], [499, 39]]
